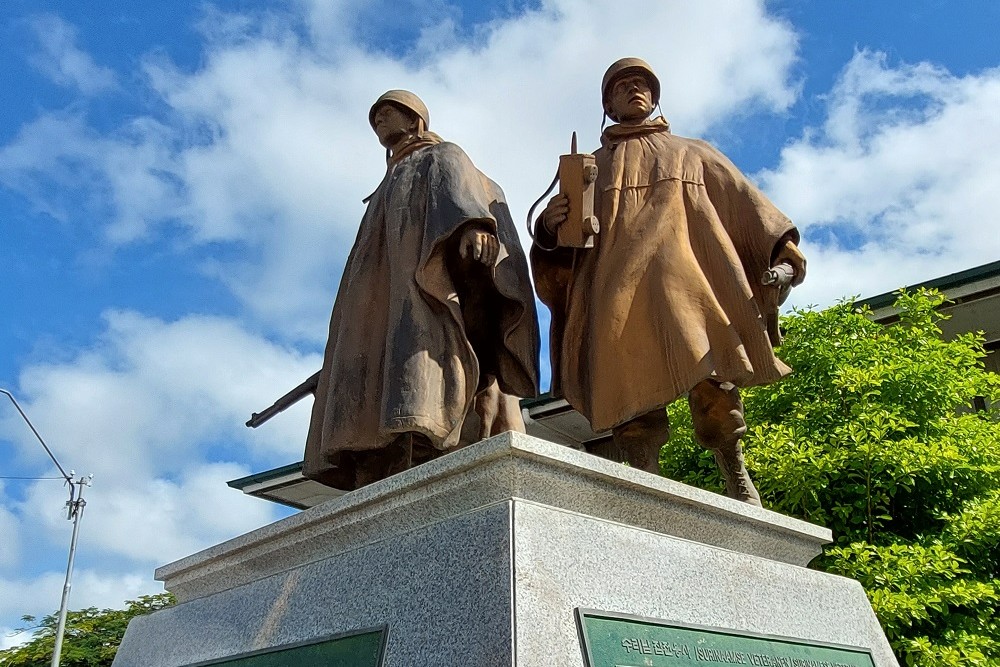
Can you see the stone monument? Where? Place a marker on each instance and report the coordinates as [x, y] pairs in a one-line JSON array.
[[514, 551]]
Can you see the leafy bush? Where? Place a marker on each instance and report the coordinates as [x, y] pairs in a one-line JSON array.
[[91, 637], [873, 436]]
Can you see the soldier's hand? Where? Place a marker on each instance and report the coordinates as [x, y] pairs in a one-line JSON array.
[[555, 213], [479, 245], [791, 254]]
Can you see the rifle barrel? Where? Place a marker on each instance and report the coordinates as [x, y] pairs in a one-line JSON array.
[[286, 401]]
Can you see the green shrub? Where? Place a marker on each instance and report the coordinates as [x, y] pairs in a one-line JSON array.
[[873, 437], [91, 637]]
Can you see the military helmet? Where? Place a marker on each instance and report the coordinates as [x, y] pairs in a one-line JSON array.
[[630, 66], [405, 99]]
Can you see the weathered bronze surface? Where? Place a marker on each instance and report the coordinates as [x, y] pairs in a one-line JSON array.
[[670, 300], [433, 334]]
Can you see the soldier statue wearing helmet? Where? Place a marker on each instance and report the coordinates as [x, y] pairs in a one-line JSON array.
[[629, 67], [670, 300], [401, 116], [433, 334]]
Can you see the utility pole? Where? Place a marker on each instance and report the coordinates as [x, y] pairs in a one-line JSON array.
[[74, 511]]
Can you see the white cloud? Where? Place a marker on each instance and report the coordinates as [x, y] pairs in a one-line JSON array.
[[39, 595], [151, 394], [130, 525], [10, 542], [150, 520], [162, 521], [11, 637], [155, 410], [267, 143], [62, 60], [57, 160], [898, 185]]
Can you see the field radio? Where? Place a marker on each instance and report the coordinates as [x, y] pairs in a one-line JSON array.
[[577, 177]]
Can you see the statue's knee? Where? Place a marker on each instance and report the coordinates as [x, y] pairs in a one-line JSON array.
[[717, 414]]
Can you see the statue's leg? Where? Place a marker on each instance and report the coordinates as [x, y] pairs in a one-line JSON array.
[[406, 451], [498, 412], [372, 466], [639, 440], [487, 407], [509, 416], [717, 413]]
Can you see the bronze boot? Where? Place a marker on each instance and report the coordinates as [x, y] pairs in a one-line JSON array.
[[638, 441], [738, 483], [717, 413]]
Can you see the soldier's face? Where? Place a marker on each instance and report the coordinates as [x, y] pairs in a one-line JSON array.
[[630, 98], [392, 124]]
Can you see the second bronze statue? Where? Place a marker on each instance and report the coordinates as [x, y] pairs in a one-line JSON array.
[[434, 334], [669, 300]]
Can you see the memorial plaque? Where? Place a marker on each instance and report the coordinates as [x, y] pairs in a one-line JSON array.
[[616, 640], [356, 649]]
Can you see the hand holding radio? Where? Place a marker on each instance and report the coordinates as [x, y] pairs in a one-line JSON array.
[[577, 182], [569, 216], [555, 213]]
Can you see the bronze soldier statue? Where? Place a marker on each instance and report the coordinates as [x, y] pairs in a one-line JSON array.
[[669, 300], [433, 334]]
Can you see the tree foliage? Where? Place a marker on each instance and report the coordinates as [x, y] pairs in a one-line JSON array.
[[91, 637], [873, 436]]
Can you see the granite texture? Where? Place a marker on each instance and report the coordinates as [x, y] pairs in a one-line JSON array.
[[481, 557], [564, 560], [510, 465], [498, 587], [444, 591]]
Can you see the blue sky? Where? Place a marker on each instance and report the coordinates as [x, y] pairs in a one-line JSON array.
[[180, 184]]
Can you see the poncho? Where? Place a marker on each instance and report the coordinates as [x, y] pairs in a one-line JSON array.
[[398, 358], [670, 295]]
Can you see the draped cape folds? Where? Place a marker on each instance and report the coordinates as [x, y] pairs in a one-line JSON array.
[[398, 358], [671, 293]]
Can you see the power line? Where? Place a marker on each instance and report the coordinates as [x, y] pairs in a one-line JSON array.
[[33, 478], [48, 451]]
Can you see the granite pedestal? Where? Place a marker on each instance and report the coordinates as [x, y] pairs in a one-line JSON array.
[[482, 557]]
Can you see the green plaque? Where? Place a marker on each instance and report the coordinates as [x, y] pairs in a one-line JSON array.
[[615, 640], [357, 649]]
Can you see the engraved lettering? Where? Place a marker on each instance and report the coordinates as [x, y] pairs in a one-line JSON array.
[[656, 647], [647, 646], [721, 656]]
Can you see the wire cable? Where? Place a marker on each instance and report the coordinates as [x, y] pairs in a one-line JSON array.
[[35, 431], [34, 478]]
